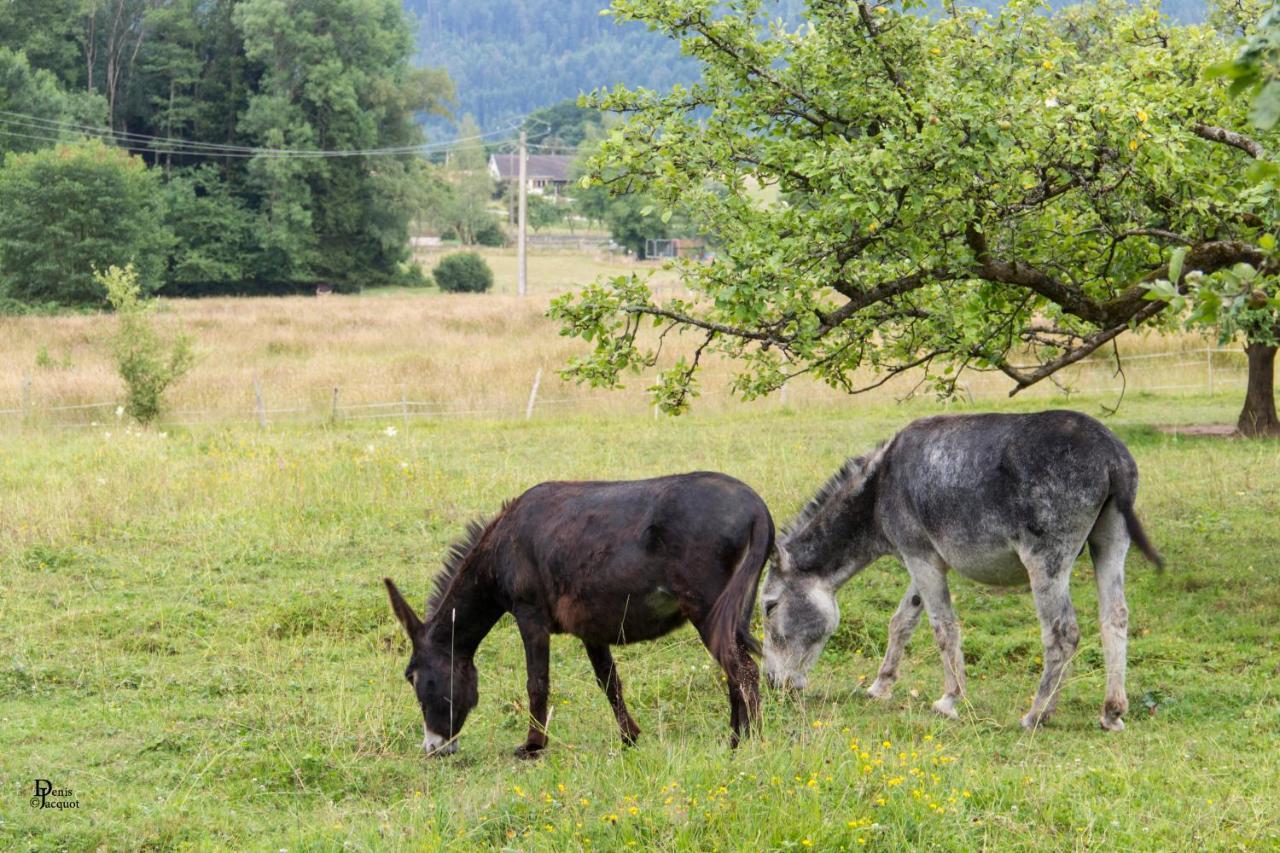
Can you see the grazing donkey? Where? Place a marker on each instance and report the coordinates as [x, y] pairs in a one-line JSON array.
[[610, 563], [1001, 499]]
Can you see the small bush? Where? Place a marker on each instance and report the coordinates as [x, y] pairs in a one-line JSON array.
[[147, 363], [491, 235], [465, 272], [413, 275]]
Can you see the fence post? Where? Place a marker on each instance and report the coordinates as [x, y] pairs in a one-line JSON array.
[[333, 411], [26, 396], [782, 395], [404, 405], [1209, 358], [533, 394], [258, 404]]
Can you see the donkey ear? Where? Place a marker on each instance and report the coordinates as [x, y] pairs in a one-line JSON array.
[[412, 624]]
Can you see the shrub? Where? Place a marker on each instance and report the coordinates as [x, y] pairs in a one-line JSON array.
[[465, 272], [73, 209], [147, 362], [491, 235]]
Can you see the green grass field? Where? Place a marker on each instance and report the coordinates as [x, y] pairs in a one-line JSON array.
[[195, 639]]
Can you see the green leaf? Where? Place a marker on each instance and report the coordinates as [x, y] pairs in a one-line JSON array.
[[1266, 107], [1176, 260]]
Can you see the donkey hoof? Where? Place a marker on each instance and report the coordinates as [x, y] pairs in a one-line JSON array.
[[946, 706], [881, 691], [528, 751], [1112, 724], [1032, 721], [630, 737]]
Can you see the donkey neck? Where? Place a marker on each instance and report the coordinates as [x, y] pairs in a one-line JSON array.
[[465, 611], [842, 535]]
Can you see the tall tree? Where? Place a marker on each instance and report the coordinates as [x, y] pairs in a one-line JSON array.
[[960, 192], [35, 110], [466, 207], [335, 75], [49, 33]]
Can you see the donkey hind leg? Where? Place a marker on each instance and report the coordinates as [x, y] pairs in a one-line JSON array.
[[1051, 587], [748, 690], [1108, 544], [901, 627], [607, 678], [744, 690], [928, 576], [537, 660]]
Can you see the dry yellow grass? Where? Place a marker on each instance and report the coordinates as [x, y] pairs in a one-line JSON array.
[[456, 354]]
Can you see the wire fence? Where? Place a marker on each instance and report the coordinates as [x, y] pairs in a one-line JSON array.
[[1204, 371]]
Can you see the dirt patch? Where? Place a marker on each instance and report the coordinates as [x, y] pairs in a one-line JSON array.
[[1220, 430]]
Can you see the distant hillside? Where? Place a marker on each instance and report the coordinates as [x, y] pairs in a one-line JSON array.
[[510, 57]]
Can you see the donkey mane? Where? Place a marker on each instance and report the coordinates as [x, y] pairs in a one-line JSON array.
[[456, 558], [848, 480]]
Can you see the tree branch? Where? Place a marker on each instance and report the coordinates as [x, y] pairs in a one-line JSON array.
[[708, 325], [1230, 137]]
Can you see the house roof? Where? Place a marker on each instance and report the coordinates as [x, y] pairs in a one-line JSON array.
[[547, 167]]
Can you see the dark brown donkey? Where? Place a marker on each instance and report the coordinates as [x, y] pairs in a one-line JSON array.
[[610, 563]]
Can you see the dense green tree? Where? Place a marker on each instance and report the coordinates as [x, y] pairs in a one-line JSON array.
[[960, 192], [73, 209], [464, 208], [31, 91], [215, 234], [50, 33], [335, 74]]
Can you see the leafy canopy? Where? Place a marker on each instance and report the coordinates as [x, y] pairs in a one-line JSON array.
[[890, 190]]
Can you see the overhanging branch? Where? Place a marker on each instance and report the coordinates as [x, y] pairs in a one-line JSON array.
[[1230, 137]]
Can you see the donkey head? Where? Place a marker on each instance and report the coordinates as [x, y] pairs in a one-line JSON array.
[[800, 614], [444, 682]]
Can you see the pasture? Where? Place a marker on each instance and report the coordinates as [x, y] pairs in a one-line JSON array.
[[194, 636]]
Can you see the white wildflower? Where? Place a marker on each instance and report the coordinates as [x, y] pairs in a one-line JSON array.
[[390, 432]]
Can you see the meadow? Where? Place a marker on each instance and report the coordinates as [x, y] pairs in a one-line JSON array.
[[441, 355], [194, 637]]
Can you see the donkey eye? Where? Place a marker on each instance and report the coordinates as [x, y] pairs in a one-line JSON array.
[[770, 606]]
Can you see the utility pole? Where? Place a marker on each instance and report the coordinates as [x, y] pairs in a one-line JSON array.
[[523, 283]]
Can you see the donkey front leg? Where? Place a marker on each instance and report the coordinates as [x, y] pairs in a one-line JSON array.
[[537, 661], [928, 576], [1050, 586], [901, 627], [607, 678], [1108, 544]]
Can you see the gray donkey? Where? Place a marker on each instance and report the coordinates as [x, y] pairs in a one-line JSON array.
[[1001, 499]]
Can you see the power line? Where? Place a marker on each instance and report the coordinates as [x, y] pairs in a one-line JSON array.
[[150, 144]]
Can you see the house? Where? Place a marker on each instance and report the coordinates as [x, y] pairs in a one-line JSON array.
[[545, 174]]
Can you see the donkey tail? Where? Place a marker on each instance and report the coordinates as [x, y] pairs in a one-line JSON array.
[[1124, 487], [730, 621]]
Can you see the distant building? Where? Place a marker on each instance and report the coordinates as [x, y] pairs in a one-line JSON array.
[[545, 174], [655, 248]]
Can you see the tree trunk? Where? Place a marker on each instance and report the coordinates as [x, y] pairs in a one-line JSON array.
[[1258, 417]]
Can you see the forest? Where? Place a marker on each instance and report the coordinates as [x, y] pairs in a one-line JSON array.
[[510, 58], [234, 107]]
